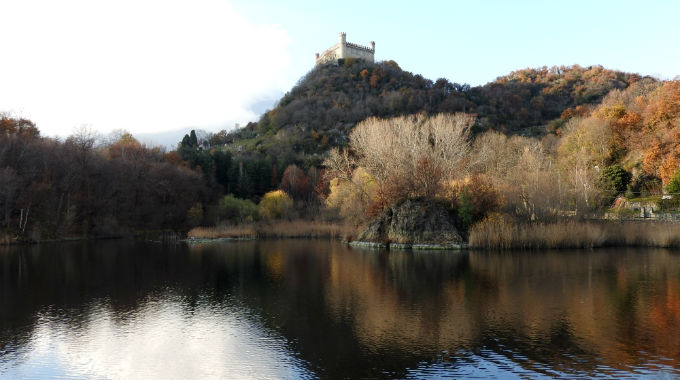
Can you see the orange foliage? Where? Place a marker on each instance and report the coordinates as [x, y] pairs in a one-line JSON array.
[[652, 157], [665, 104], [647, 125], [668, 168], [580, 110], [624, 127], [128, 150], [630, 120], [377, 75], [173, 158]]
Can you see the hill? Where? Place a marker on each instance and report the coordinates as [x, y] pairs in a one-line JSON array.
[[321, 110]]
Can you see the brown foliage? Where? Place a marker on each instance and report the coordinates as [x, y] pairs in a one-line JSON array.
[[428, 177], [387, 194], [376, 76], [481, 190], [23, 128], [172, 158], [295, 182]]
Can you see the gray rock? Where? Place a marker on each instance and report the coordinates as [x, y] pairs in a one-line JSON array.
[[414, 222], [367, 244]]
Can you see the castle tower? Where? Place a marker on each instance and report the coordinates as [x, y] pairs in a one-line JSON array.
[[343, 42], [344, 49]]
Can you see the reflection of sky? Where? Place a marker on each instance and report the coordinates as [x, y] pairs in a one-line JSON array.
[[162, 340], [487, 364]]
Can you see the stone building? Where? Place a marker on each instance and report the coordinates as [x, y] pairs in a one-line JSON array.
[[344, 49]]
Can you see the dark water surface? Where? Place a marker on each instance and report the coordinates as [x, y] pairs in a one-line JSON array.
[[314, 309]]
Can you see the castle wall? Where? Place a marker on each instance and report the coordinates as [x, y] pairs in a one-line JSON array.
[[358, 53], [344, 49], [331, 54]]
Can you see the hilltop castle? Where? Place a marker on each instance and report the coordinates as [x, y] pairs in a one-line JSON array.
[[344, 49]]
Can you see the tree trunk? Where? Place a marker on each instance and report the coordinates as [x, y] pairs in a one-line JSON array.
[[28, 210]]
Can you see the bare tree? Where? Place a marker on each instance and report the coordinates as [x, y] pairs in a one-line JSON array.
[[339, 164], [408, 148]]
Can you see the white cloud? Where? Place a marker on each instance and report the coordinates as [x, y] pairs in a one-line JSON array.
[[145, 66]]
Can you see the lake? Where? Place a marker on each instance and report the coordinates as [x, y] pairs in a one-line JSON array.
[[319, 309]]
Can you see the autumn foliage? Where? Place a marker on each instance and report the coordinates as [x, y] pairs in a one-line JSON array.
[[644, 123]]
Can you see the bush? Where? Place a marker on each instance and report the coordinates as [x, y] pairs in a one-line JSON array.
[[614, 180], [275, 205], [474, 197], [236, 210], [673, 186], [466, 209], [352, 198]]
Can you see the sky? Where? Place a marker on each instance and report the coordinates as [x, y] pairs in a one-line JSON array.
[[157, 66]]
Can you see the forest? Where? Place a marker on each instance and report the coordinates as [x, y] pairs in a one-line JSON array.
[[51, 188], [351, 139]]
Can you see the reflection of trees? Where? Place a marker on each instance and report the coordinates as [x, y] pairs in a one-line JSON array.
[[561, 309], [354, 313], [606, 297], [400, 298], [65, 281]]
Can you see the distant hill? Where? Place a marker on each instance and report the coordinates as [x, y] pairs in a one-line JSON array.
[[321, 110]]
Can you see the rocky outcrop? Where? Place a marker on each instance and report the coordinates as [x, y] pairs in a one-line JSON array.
[[414, 223]]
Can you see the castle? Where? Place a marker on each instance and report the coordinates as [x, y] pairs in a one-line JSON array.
[[344, 49]]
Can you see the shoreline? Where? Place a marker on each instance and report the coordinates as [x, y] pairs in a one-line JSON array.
[[497, 232], [409, 246], [66, 239], [354, 244]]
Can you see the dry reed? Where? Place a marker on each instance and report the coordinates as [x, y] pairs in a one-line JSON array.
[[502, 232], [277, 229]]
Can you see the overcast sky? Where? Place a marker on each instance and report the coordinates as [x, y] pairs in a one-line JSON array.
[[152, 66]]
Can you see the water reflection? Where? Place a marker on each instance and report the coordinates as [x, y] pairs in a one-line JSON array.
[[296, 309]]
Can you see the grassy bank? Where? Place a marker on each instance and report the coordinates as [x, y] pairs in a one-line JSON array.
[[278, 229], [500, 232]]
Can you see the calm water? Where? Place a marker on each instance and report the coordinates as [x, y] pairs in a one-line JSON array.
[[307, 309]]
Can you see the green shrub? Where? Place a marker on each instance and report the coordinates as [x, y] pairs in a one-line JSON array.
[[673, 186], [466, 209], [236, 210], [614, 179], [670, 205]]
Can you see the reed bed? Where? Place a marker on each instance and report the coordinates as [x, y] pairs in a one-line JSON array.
[[502, 232], [278, 229]]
